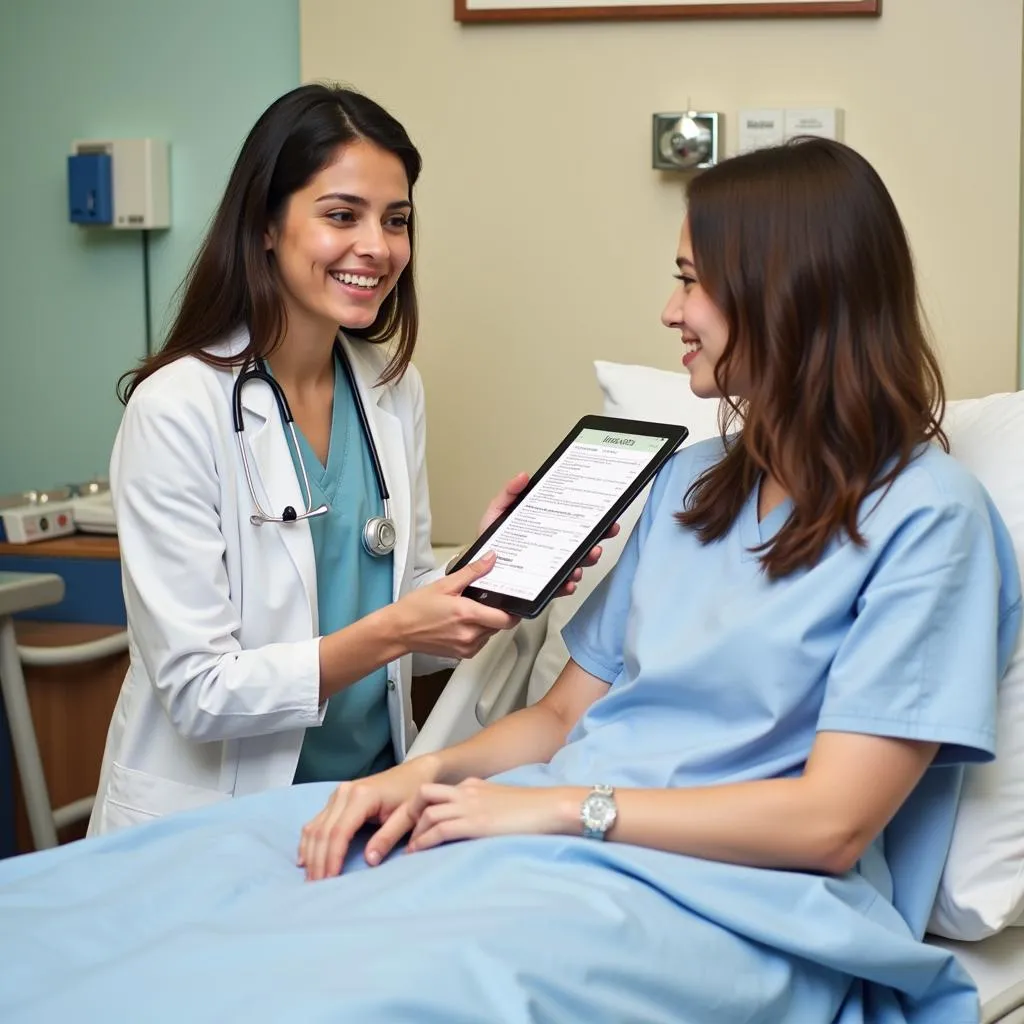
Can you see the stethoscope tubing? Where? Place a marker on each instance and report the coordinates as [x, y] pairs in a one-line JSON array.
[[379, 532]]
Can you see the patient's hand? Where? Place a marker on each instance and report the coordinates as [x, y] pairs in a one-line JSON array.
[[507, 495], [475, 808], [388, 798]]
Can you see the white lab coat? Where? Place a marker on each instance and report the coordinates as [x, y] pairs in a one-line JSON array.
[[222, 615]]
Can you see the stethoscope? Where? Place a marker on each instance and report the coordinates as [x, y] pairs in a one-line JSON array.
[[379, 531]]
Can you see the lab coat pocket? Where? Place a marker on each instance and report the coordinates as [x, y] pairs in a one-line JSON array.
[[134, 797]]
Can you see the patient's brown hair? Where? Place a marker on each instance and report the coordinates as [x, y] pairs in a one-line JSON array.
[[802, 249]]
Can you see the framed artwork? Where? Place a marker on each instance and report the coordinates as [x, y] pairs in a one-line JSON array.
[[636, 10]]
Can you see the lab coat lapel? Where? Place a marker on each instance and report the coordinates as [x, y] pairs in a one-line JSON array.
[[276, 483], [386, 430]]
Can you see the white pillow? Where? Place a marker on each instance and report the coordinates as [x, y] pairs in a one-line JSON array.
[[633, 392], [982, 887]]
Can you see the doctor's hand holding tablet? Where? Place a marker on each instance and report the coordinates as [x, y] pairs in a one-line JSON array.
[[536, 534], [270, 485]]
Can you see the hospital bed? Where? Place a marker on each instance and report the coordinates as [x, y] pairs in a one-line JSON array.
[[252, 845], [516, 668]]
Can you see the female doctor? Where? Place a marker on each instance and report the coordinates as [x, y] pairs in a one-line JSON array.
[[270, 486]]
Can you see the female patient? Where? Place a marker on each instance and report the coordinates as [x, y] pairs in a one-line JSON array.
[[807, 617], [764, 714]]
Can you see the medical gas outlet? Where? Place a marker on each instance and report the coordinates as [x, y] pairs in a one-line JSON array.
[[686, 141]]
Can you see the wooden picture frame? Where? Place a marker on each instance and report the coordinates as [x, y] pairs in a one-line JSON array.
[[476, 11]]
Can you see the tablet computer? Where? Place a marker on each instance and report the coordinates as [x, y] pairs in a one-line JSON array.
[[586, 483]]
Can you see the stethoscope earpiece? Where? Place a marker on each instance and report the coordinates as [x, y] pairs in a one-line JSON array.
[[379, 533]]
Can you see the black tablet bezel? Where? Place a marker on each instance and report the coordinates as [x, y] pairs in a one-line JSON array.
[[674, 433]]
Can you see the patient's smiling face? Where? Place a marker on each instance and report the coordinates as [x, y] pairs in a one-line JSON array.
[[701, 324]]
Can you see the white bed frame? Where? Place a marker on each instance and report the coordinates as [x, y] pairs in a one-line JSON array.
[[496, 682]]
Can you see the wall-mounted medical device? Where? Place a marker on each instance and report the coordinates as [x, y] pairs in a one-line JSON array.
[[119, 183], [686, 141]]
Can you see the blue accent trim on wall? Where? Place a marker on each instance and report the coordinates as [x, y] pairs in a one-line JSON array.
[[92, 589]]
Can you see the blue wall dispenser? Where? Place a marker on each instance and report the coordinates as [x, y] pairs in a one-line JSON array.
[[90, 188]]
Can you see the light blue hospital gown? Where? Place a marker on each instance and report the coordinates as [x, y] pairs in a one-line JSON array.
[[717, 675]]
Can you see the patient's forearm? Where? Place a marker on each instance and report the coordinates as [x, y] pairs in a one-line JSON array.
[[822, 820], [769, 824], [525, 737]]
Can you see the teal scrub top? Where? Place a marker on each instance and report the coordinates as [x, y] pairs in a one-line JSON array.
[[354, 739]]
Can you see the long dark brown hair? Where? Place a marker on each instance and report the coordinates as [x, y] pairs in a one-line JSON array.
[[232, 282], [802, 250]]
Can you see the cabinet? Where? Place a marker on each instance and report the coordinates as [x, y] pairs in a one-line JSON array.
[[71, 705]]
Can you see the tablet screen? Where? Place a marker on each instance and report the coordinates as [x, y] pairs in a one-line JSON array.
[[565, 505]]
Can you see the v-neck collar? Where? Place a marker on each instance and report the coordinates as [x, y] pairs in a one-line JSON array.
[[755, 532], [326, 476]]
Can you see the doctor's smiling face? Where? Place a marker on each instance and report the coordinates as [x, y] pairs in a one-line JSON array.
[[342, 241], [315, 231]]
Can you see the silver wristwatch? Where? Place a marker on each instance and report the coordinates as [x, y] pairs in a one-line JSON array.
[[598, 812]]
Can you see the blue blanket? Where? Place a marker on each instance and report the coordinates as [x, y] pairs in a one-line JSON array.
[[205, 917]]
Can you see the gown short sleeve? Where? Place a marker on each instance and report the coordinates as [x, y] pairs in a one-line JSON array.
[[934, 626]]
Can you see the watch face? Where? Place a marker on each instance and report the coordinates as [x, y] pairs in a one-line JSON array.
[[598, 812]]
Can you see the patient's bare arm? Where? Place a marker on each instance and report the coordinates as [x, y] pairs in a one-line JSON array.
[[821, 820]]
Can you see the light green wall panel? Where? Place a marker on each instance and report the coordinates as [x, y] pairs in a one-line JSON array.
[[194, 72]]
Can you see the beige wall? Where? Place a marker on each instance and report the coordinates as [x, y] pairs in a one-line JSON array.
[[546, 240]]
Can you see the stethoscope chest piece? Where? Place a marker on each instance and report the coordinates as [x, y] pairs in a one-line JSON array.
[[379, 535]]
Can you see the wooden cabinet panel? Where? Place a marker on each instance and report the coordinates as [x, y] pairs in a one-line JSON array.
[[76, 545]]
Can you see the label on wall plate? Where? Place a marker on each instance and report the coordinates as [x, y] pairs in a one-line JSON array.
[[760, 128], [824, 122]]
